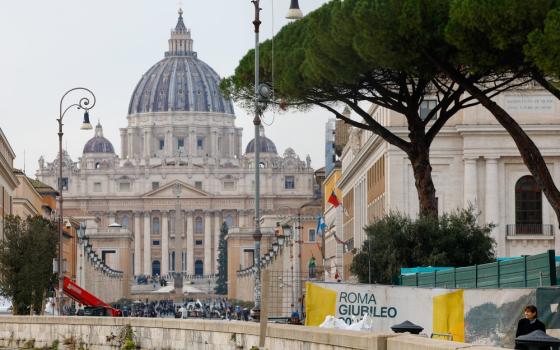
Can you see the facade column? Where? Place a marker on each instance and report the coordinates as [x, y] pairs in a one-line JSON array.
[[130, 140], [210, 145], [207, 243], [491, 202], [137, 245], [169, 143], [470, 187], [231, 145], [147, 244], [189, 235], [124, 144], [148, 143], [216, 234], [193, 152], [238, 143], [164, 244]]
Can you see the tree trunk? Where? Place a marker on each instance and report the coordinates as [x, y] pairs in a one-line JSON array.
[[422, 169], [530, 153]]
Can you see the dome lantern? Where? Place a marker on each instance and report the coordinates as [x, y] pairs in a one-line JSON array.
[[180, 42]]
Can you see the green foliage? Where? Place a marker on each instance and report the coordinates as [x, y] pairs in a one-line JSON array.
[[492, 34], [26, 256], [543, 47], [221, 282], [397, 241], [125, 339], [54, 345]]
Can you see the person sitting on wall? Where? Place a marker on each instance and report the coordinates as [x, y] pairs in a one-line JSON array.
[[528, 324]]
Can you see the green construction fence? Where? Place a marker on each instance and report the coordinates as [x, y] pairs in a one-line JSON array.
[[528, 271]]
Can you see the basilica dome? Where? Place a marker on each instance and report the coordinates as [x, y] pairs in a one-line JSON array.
[[266, 145], [99, 144], [180, 81]]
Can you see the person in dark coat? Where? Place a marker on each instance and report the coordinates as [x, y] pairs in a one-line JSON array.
[[528, 324]]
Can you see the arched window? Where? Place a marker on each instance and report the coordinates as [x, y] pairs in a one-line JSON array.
[[198, 225], [198, 268], [229, 220], [528, 206], [155, 226], [124, 223], [156, 268]]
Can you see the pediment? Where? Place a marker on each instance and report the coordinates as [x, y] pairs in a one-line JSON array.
[[169, 190]]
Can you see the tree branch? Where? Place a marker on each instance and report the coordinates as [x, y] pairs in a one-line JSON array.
[[379, 129], [539, 78]]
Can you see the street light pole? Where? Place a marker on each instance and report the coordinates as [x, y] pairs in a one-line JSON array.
[[83, 103], [262, 94], [257, 236]]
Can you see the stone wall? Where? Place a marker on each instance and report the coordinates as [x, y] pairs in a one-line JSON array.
[[102, 332]]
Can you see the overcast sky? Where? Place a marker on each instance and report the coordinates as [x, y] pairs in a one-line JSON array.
[[48, 47]]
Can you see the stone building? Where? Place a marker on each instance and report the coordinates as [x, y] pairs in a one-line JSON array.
[[8, 180], [181, 172], [474, 162], [27, 201]]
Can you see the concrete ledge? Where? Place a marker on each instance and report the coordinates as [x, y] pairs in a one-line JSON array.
[[171, 334], [416, 342]]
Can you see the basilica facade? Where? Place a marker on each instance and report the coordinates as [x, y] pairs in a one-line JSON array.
[[182, 170]]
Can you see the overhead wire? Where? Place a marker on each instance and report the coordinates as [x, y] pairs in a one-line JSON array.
[[272, 71]]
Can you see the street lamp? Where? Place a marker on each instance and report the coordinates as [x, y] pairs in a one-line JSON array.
[[86, 104], [263, 93], [294, 12]]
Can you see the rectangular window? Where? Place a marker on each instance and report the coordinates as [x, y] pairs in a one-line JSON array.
[[155, 185], [229, 185], [426, 107], [161, 144], [124, 186], [312, 235], [289, 183], [198, 242], [198, 184], [200, 143], [97, 187], [180, 143], [64, 184], [248, 258], [155, 242]]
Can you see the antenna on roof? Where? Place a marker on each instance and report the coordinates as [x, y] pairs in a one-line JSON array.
[[24, 161]]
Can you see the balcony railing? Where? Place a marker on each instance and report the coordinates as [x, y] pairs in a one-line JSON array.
[[529, 229]]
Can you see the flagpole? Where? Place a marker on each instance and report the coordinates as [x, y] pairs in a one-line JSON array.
[[323, 255]]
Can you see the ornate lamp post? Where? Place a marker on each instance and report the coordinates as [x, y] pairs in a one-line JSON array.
[[85, 103], [262, 95]]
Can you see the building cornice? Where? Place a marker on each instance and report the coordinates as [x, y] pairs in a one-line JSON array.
[[472, 129]]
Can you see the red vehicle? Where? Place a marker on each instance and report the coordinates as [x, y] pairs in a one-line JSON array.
[[94, 305]]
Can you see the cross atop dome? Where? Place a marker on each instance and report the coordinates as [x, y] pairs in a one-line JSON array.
[[180, 27], [180, 43]]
